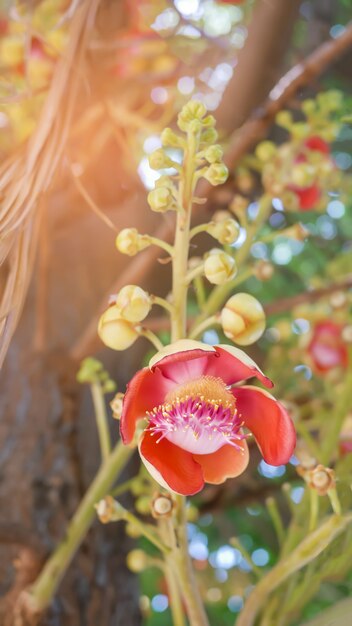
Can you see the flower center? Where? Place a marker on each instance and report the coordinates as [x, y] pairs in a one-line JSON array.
[[199, 416]]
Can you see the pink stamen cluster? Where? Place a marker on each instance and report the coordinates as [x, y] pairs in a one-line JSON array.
[[197, 425]]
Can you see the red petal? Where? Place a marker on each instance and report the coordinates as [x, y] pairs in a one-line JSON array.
[[145, 391], [175, 466], [308, 197], [183, 360], [225, 463], [234, 365], [269, 422], [317, 143]]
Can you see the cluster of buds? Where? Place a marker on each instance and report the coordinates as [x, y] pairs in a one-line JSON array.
[[243, 319], [92, 371], [118, 326], [301, 171]]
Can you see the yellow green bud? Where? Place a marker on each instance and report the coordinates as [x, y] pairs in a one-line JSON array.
[[309, 106], [158, 160], [303, 174], [193, 110], [243, 319], [115, 332], [133, 303], [265, 151], [160, 199], [300, 130], [129, 241], [225, 230], [170, 139], [137, 561], [213, 154], [284, 119], [132, 531], [219, 267], [216, 174], [208, 136]]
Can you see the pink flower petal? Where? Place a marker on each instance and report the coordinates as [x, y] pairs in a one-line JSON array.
[[269, 422], [227, 462], [234, 365], [183, 360], [171, 466], [145, 391]]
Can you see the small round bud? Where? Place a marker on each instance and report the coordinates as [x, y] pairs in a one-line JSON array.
[[265, 151], [193, 110], [321, 478], [132, 531], [263, 270], [158, 160], [284, 119], [213, 154], [162, 506], [142, 505], [243, 319], [105, 509], [239, 205], [137, 561], [115, 332], [116, 405], [303, 175], [290, 200], [219, 267], [226, 231], [216, 174], [309, 106], [160, 199], [133, 303], [300, 130], [244, 180], [208, 136], [170, 139], [130, 242]]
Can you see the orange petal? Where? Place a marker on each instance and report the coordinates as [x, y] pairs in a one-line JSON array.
[[171, 466], [234, 365], [227, 462]]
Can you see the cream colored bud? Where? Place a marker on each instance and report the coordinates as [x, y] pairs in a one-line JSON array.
[[133, 303], [160, 199], [116, 405], [137, 561], [193, 110], [239, 205], [216, 174], [303, 175], [265, 151], [219, 267], [208, 136], [115, 332], [105, 509], [170, 139], [347, 334], [158, 160], [162, 506], [130, 242], [263, 270], [244, 180], [213, 154], [243, 319], [226, 231]]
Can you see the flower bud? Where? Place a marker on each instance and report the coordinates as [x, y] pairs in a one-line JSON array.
[[208, 136], [265, 151], [243, 319], [213, 154], [303, 175], [105, 509], [321, 478], [290, 200], [244, 180], [170, 139], [137, 561], [129, 241], [160, 199], [216, 174], [158, 160], [263, 270], [219, 267], [115, 332], [162, 506], [133, 303], [226, 231], [284, 119], [193, 110], [116, 405], [239, 205]]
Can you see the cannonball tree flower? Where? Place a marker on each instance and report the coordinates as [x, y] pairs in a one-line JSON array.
[[327, 348], [194, 417]]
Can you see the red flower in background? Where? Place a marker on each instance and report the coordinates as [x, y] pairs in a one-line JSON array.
[[194, 417], [310, 195], [327, 348]]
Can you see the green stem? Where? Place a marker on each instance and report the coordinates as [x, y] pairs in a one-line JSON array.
[[343, 405], [44, 588], [101, 419], [161, 244], [305, 552], [163, 303], [274, 513], [198, 330], [314, 509], [148, 334], [168, 535]]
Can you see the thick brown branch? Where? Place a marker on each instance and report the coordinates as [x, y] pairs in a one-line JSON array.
[[287, 304]]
